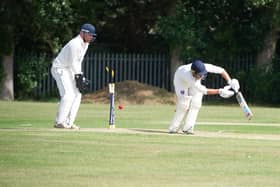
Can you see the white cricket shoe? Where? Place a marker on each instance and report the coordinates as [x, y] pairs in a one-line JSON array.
[[74, 127], [67, 126], [173, 130]]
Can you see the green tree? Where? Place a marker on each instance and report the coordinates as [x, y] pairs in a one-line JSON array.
[[27, 21], [270, 11], [213, 29], [128, 25], [179, 27], [217, 27], [46, 25]]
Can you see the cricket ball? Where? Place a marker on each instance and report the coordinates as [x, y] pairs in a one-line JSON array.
[[120, 106]]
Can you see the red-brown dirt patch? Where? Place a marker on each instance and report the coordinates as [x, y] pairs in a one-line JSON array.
[[132, 92]]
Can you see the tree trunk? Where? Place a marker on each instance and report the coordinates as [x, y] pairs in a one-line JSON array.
[[7, 86], [175, 62], [264, 57], [175, 51]]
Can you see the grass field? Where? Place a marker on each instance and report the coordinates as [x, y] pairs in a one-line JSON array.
[[33, 153]]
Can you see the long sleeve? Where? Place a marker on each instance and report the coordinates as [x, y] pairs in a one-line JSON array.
[[72, 54], [214, 69]]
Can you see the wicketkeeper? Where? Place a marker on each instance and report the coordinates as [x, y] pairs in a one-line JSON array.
[[67, 71], [189, 91]]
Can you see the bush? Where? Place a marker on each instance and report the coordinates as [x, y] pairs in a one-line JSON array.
[[263, 83], [1, 71], [30, 70]]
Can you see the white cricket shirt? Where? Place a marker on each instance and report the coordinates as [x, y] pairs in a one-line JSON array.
[[72, 55], [184, 74]]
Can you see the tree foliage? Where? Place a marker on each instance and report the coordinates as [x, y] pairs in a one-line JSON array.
[[207, 29], [125, 24], [269, 9], [263, 83], [182, 30], [32, 25], [47, 25], [31, 69], [215, 27], [51, 25], [1, 70], [35, 24]]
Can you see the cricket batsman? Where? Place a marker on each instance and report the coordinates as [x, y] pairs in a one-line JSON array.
[[67, 72], [190, 91]]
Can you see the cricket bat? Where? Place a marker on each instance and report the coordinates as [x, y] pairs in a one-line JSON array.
[[243, 104]]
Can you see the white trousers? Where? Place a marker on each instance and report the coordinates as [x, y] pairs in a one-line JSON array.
[[70, 96], [189, 101]]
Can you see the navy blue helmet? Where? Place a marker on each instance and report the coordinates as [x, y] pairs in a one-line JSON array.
[[89, 28], [199, 68]]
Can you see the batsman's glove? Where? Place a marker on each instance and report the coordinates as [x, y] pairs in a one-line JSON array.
[[82, 83], [234, 84], [226, 92]]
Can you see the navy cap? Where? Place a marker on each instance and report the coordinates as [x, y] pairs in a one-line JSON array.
[[199, 68], [89, 28]]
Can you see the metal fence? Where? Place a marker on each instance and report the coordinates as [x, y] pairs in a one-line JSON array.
[[151, 69], [233, 66]]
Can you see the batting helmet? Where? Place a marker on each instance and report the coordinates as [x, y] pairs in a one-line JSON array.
[[89, 28], [199, 68]]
